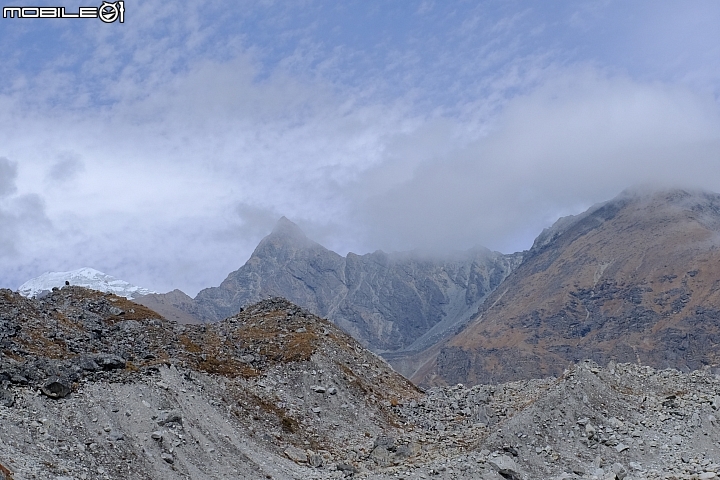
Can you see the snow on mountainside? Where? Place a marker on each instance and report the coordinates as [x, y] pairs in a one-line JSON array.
[[83, 277]]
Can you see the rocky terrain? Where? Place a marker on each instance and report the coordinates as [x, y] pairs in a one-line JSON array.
[[394, 304], [96, 386], [635, 279]]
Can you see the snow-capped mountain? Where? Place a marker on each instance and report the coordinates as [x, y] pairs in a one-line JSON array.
[[83, 277]]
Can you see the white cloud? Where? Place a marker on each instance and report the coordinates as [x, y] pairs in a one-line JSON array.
[[162, 151], [22, 217], [577, 140]]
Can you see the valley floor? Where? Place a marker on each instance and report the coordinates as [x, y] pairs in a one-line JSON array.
[[623, 421]]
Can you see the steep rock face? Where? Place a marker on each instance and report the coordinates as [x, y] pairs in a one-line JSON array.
[[285, 263], [632, 280], [390, 302]]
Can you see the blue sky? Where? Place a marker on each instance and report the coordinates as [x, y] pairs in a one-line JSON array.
[[163, 149]]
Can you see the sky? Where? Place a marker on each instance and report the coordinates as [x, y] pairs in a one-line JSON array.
[[161, 150]]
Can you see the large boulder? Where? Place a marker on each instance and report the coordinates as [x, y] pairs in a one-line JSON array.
[[56, 387]]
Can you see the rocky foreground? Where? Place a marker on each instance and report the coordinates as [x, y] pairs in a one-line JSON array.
[[95, 386]]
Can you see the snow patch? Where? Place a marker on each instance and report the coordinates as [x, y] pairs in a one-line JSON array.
[[83, 277]]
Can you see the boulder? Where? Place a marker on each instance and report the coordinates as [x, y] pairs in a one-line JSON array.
[[56, 387], [167, 418], [7, 399], [296, 455], [506, 467], [110, 362]]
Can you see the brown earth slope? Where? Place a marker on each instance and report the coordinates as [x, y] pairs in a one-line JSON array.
[[636, 279], [174, 305]]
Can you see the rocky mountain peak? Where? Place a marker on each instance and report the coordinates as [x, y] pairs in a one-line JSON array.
[[389, 301], [645, 204], [287, 229]]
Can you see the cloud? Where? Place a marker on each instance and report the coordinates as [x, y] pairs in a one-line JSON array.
[[162, 151], [579, 139], [67, 167], [22, 217], [8, 173], [183, 184]]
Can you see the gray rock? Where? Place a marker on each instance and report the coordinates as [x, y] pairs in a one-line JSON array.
[[86, 363], [506, 467], [381, 456], [481, 415], [167, 457], [247, 358], [296, 455], [7, 399], [109, 362], [167, 418], [347, 468], [385, 441], [315, 460], [404, 451], [56, 387], [619, 470]]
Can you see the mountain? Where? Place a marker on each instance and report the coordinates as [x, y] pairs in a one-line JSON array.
[[174, 305], [93, 385], [635, 279], [394, 304], [83, 277]]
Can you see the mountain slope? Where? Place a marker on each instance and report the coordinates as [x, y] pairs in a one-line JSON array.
[[390, 302], [174, 305], [128, 394], [633, 280]]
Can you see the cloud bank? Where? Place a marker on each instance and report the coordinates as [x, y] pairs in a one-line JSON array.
[[161, 151]]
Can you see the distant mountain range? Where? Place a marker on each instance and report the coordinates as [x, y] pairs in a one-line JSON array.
[[634, 279], [392, 303]]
